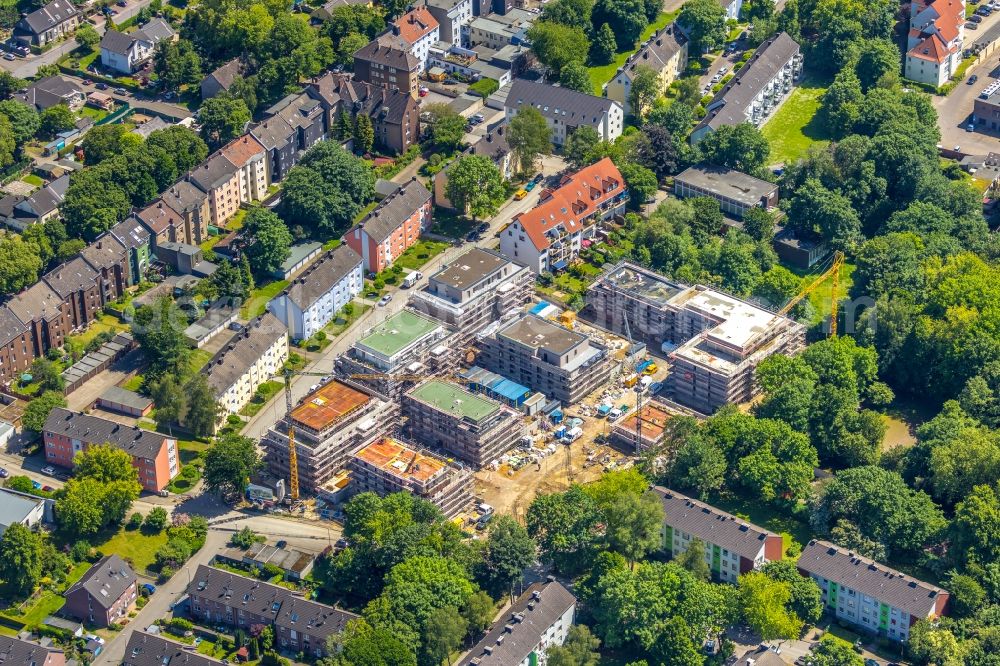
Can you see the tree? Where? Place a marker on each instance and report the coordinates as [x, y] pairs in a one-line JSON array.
[[268, 240], [575, 76], [93, 203], [644, 91], [362, 645], [705, 22], [840, 104], [349, 45], [159, 330], [478, 611], [627, 19], [758, 223], [565, 527], [445, 126], [230, 462], [741, 147], [105, 464], [699, 466], [509, 551], [444, 630], [833, 651], [692, 558], [177, 64], [579, 649], [55, 119], [156, 519], [579, 144], [185, 146], [87, 37], [529, 136], [8, 144], [557, 45], [475, 186], [602, 50], [633, 524], [876, 58], [106, 141], [967, 595], [19, 264], [764, 604], [976, 526], [38, 410], [821, 214], [20, 559], [326, 190], [655, 149], [364, 134], [201, 409], [223, 118], [24, 120], [640, 181], [806, 597]]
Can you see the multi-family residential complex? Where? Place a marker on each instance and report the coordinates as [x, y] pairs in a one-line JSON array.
[[756, 89], [252, 357], [732, 546], [473, 291], [735, 191], [153, 650], [55, 20], [300, 625], [665, 52], [496, 31], [289, 128], [315, 297], [389, 466], [451, 15], [104, 595], [469, 426], [565, 365], [520, 636], [934, 41], [420, 30], [181, 215], [867, 594], [550, 235], [67, 433], [715, 340], [565, 109], [387, 61], [28, 653], [406, 343], [330, 423], [642, 429], [394, 226]]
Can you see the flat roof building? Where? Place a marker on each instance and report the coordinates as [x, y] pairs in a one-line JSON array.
[[469, 426], [330, 423], [389, 466], [715, 341], [295, 564], [123, 401], [732, 545], [735, 191], [474, 290], [18, 509], [565, 365], [642, 429]]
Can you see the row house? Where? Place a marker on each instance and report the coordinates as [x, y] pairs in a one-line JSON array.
[[935, 41], [30, 654], [665, 52], [392, 227], [300, 625], [550, 236], [757, 88], [153, 650], [154, 455], [565, 109], [252, 357], [236, 174], [136, 240], [732, 546], [289, 128], [49, 23], [104, 595]]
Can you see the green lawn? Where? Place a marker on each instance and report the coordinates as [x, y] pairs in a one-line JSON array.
[[134, 383], [199, 359], [103, 323], [819, 300], [792, 529], [343, 321], [32, 179], [48, 602], [134, 545], [448, 223], [795, 126], [603, 73], [257, 303], [420, 253], [261, 396], [96, 114]]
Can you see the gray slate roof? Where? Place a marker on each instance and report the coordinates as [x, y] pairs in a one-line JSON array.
[[580, 108], [183, 197], [121, 396], [273, 133], [10, 326], [71, 277], [119, 42], [15, 508], [130, 233], [541, 605], [711, 525], [213, 172], [394, 209], [322, 276], [106, 581], [157, 30], [225, 74], [94, 430], [823, 559], [148, 650], [36, 303], [23, 653], [657, 51], [390, 51], [728, 107], [48, 92], [49, 16], [105, 252], [233, 360]]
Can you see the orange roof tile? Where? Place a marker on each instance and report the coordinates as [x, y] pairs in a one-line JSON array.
[[415, 23], [242, 149], [578, 196], [947, 28], [327, 405], [930, 49]]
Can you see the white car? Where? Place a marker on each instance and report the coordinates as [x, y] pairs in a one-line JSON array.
[[384, 301], [716, 78], [49, 470], [723, 71]]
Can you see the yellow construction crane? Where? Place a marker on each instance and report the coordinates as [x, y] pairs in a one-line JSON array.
[[293, 456], [834, 271]]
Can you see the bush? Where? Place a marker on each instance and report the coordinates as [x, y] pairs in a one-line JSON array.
[[134, 521], [180, 625], [156, 520], [81, 551], [166, 573]]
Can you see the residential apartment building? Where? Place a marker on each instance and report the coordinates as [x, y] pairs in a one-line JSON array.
[[868, 594], [250, 160], [474, 290], [496, 31], [733, 8], [451, 15], [191, 215], [386, 61], [565, 110], [471, 427], [16, 345], [395, 114], [715, 341], [550, 236], [665, 52], [394, 226], [565, 365], [47, 317], [389, 466], [331, 422], [735, 191], [289, 128], [127, 52], [27, 653], [253, 356], [104, 595], [55, 20], [935, 41], [153, 650], [406, 343], [300, 625], [154, 455], [136, 239], [420, 30], [521, 634], [756, 89], [315, 297], [732, 545]]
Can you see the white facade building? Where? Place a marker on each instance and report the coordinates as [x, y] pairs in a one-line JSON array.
[[935, 41], [566, 109], [247, 361]]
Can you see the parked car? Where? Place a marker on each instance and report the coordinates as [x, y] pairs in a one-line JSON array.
[[976, 18], [723, 70], [971, 26], [538, 178], [101, 85], [9, 56], [472, 237], [120, 91], [4, 473], [972, 79], [483, 228], [716, 78], [384, 301], [48, 489], [49, 469], [281, 544], [149, 588], [423, 91], [520, 194]]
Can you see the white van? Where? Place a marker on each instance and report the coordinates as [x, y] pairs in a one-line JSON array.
[[573, 434], [411, 279], [615, 414]]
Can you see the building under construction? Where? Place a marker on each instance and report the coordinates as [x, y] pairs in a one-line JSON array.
[[641, 429], [389, 466], [474, 290], [714, 341], [469, 426], [330, 423]]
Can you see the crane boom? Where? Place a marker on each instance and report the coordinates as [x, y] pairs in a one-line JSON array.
[[834, 271], [293, 455]]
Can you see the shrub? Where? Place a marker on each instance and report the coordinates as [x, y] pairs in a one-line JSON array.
[[180, 625], [134, 522], [81, 551], [166, 573]]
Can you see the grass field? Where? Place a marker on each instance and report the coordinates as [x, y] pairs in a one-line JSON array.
[[603, 73], [103, 323], [135, 546], [793, 530], [420, 253], [343, 321], [795, 126], [32, 179], [257, 303], [264, 392]]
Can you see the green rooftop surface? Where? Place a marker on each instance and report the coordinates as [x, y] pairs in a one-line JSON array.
[[398, 332], [454, 399]]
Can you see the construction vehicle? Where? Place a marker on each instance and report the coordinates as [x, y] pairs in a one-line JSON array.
[[834, 272]]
